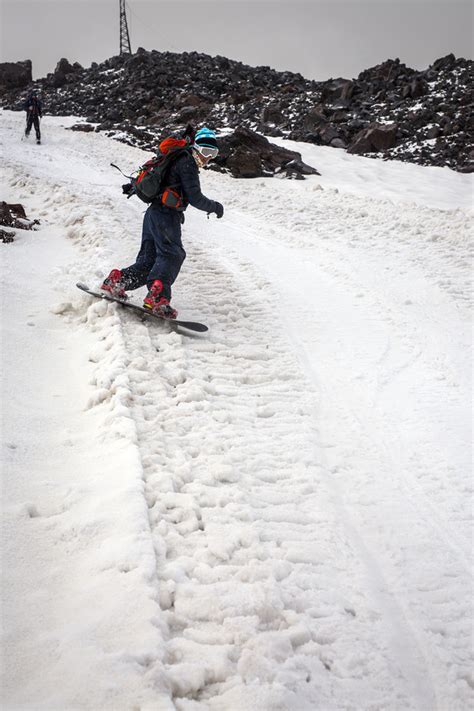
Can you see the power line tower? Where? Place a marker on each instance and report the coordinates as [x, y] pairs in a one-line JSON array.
[[124, 36]]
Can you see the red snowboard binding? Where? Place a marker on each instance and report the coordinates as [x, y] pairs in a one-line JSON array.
[[113, 284], [158, 304]]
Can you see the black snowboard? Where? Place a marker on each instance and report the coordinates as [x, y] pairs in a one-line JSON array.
[[190, 325]]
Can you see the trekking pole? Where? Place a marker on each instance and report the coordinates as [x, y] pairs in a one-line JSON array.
[[121, 171]]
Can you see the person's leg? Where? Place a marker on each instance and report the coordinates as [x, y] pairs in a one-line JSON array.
[[135, 275], [29, 123], [37, 127], [170, 254]]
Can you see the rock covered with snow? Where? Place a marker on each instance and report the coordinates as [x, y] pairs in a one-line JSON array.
[[389, 111], [13, 216]]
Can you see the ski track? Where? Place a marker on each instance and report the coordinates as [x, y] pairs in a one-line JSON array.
[[305, 555]]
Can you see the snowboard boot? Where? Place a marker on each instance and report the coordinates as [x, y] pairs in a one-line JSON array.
[[38, 141], [157, 303], [113, 284]]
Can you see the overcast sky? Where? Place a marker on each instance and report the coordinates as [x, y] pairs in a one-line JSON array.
[[318, 38]]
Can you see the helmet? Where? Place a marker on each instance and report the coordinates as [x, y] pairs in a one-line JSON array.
[[205, 143]]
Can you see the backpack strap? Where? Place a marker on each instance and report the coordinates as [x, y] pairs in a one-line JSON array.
[[172, 159]]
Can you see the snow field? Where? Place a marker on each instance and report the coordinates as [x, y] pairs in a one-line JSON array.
[[382, 368], [275, 515]]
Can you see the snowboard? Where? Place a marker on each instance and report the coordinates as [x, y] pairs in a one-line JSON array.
[[190, 325]]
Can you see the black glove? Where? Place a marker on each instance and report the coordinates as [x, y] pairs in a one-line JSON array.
[[219, 210], [126, 188]]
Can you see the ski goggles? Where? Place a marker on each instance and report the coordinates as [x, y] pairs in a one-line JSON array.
[[207, 152]]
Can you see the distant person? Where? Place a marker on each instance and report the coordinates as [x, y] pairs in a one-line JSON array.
[[161, 252], [34, 111]]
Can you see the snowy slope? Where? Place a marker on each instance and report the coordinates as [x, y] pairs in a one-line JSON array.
[[275, 515]]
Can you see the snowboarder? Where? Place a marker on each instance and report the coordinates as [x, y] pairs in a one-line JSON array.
[[34, 111], [161, 252]]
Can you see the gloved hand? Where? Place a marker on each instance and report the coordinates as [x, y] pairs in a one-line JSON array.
[[219, 210], [126, 188]]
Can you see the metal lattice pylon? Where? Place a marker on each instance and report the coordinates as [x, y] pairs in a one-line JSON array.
[[125, 47]]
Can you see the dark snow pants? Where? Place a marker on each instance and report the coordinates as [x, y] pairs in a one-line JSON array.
[[31, 119], [161, 253]]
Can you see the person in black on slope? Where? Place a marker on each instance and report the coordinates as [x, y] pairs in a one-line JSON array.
[[34, 111], [161, 253]]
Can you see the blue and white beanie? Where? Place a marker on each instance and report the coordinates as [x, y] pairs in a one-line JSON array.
[[205, 137]]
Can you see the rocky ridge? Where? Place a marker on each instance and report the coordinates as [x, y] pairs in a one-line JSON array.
[[388, 111]]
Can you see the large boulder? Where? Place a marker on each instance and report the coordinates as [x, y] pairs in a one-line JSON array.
[[315, 117], [273, 114], [246, 154], [386, 73], [13, 215], [64, 67], [337, 90], [329, 135], [415, 89], [447, 62], [15, 75], [376, 137], [64, 72], [243, 163]]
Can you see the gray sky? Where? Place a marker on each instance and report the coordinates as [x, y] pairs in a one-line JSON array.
[[318, 38]]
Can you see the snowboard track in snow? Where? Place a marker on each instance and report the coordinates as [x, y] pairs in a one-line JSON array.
[[303, 553]]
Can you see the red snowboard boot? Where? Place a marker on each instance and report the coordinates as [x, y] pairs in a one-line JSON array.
[[158, 304], [113, 284]]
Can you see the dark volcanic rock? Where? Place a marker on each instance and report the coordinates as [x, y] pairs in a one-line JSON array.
[[374, 138], [162, 91], [337, 90], [246, 154], [14, 75], [13, 215], [273, 114], [6, 236], [63, 67], [84, 127], [416, 88], [448, 62], [10, 214], [64, 73], [315, 118]]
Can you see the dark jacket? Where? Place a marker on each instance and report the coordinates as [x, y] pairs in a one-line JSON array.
[[33, 106], [183, 176]]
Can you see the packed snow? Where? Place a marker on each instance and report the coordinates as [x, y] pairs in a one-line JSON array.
[[271, 516]]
